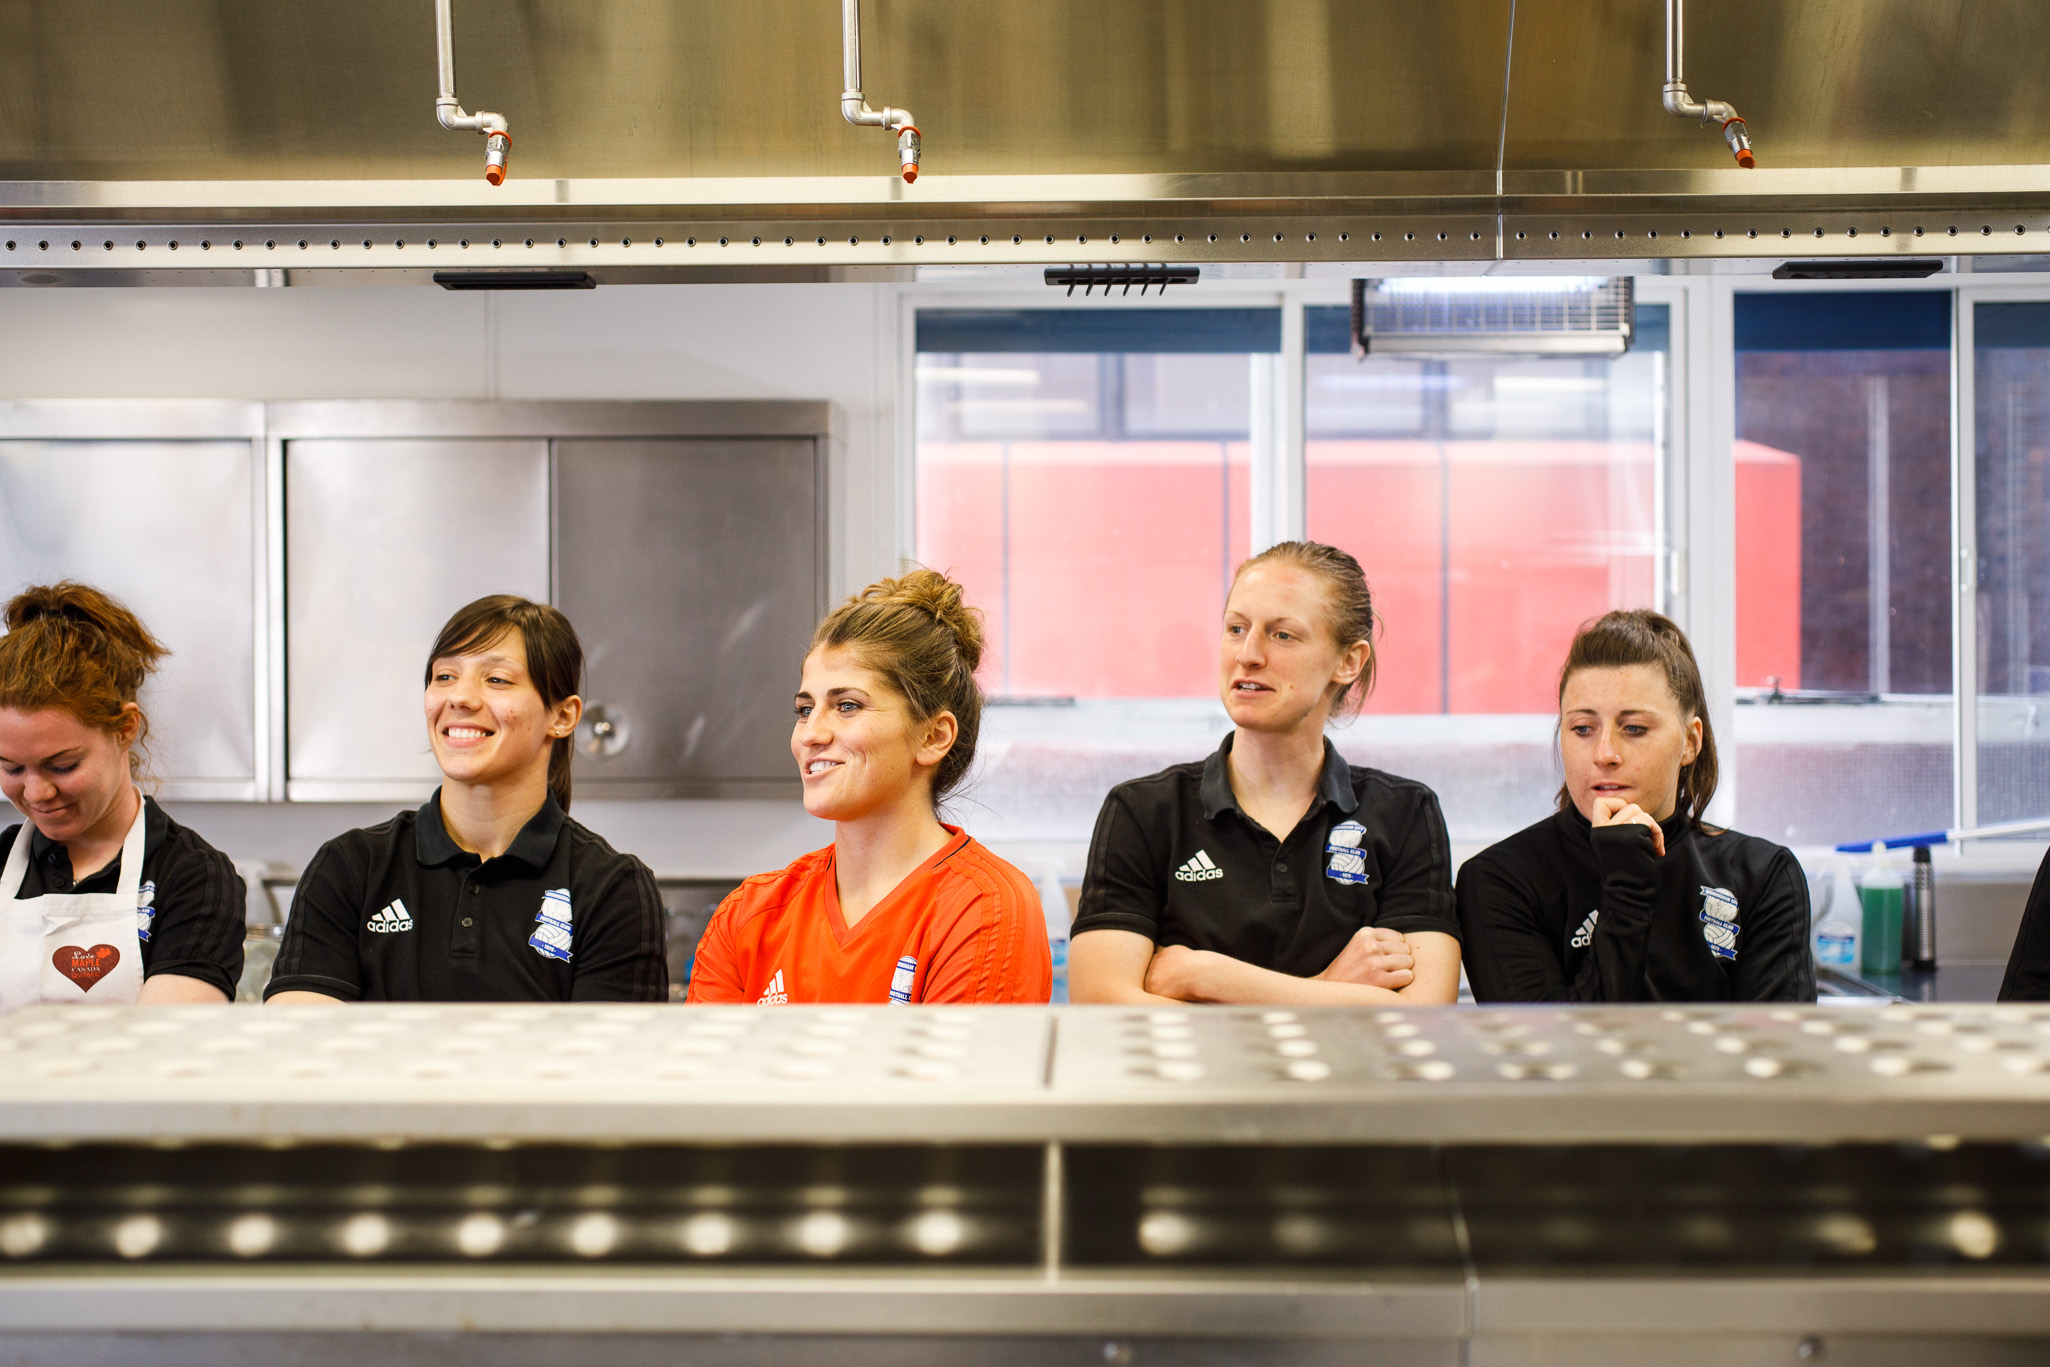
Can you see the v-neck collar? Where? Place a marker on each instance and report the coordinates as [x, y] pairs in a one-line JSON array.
[[836, 919]]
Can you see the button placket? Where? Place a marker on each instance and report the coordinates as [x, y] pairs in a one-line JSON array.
[[464, 935]]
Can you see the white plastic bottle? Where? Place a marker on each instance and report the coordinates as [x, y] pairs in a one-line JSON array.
[[1053, 903], [1837, 934]]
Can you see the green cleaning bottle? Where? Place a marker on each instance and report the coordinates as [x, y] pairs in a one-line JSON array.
[[1880, 894]]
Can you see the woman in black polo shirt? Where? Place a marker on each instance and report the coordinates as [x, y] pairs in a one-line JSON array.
[[1624, 895], [489, 892], [103, 898], [1274, 871]]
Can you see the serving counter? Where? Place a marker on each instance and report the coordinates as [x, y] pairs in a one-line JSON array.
[[1024, 1185]]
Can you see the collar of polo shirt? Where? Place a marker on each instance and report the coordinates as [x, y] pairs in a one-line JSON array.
[[156, 826], [433, 846], [1334, 785]]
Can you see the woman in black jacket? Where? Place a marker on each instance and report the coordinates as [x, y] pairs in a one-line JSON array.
[[1624, 894]]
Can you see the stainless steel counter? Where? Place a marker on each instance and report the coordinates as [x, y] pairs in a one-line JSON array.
[[579, 1184], [611, 1073]]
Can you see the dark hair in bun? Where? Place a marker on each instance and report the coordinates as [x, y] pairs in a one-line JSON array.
[[69, 645], [926, 642]]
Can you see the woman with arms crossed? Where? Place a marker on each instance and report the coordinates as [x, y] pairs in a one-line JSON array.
[[900, 907], [1274, 871], [103, 898], [1624, 895], [489, 892]]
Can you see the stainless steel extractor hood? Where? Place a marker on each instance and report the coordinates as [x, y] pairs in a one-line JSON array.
[[666, 139]]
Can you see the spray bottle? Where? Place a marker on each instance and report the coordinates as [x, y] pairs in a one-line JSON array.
[[1880, 894], [1836, 934]]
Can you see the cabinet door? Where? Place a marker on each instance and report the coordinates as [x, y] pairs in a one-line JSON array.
[[694, 572], [167, 527], [384, 540]]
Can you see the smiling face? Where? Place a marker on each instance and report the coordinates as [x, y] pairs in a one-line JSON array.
[[487, 721], [856, 743], [64, 775], [1278, 666], [1622, 734]]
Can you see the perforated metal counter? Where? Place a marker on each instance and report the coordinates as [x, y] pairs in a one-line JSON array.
[[1068, 1185]]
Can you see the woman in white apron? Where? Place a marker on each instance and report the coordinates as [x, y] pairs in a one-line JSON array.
[[103, 898]]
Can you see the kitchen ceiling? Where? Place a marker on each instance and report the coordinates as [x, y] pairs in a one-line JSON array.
[[1183, 130]]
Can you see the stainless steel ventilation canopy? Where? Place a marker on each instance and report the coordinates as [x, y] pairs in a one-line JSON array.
[[661, 139]]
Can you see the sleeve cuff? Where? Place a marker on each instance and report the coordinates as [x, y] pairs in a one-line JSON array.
[[199, 970], [1408, 925], [1115, 920], [309, 982]]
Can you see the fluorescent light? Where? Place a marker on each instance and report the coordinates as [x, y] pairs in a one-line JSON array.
[[1489, 284], [979, 375]]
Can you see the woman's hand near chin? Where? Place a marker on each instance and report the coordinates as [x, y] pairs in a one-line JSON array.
[[1615, 811]]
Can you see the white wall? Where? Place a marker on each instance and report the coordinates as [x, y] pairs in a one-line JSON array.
[[833, 342]]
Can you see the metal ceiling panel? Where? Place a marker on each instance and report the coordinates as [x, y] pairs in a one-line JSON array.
[[677, 139]]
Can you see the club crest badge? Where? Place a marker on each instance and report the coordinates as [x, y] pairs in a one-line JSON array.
[[1347, 864], [145, 910], [553, 934], [1719, 922], [902, 981]]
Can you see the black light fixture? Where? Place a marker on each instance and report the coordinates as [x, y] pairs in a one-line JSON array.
[[1143, 274], [516, 280], [1869, 268]]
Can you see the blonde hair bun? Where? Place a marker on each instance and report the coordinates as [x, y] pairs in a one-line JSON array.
[[939, 598]]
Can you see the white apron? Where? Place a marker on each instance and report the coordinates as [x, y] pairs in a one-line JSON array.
[[70, 947]]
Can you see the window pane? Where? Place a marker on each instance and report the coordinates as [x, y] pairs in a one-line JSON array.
[[2012, 386], [1093, 504], [1495, 504], [1843, 565]]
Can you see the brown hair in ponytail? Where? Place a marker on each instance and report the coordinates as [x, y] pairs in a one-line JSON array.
[[555, 660], [926, 643], [69, 645]]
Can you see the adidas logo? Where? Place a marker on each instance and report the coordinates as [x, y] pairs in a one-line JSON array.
[[774, 994], [391, 919], [1198, 870], [1584, 936]]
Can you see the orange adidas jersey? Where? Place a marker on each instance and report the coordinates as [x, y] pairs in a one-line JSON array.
[[964, 927]]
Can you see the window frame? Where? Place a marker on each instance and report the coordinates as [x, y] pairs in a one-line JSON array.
[[1696, 518]]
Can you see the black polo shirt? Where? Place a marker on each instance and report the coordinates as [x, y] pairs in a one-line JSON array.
[[192, 908], [398, 912], [1562, 912], [2028, 964], [1175, 860]]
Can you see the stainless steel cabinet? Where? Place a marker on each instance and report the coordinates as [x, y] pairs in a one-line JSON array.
[[694, 572], [299, 557], [170, 528], [384, 539]]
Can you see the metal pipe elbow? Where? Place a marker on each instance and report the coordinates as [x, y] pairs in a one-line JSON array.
[[1735, 132], [1680, 105]]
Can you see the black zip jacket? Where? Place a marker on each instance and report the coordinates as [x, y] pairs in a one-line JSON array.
[[1562, 912], [2028, 965]]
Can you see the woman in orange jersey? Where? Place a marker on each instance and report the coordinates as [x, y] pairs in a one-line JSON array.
[[900, 907]]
